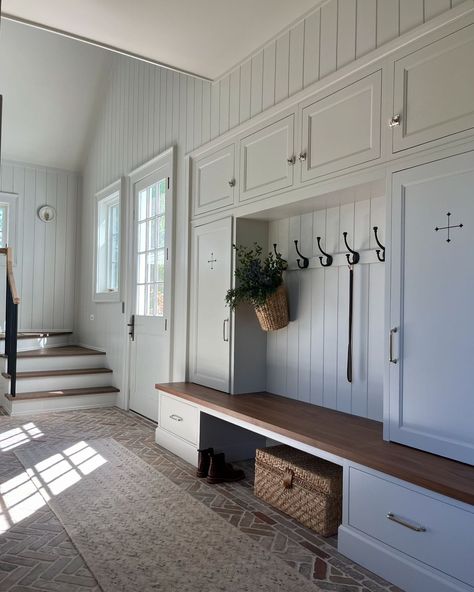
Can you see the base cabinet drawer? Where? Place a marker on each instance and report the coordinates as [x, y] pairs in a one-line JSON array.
[[179, 418], [429, 530]]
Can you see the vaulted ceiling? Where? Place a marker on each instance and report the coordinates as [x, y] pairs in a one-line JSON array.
[[206, 37], [51, 87]]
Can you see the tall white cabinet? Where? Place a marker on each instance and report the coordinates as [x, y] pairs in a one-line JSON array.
[[210, 317], [431, 394]]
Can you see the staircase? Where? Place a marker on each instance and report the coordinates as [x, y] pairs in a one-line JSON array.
[[52, 375]]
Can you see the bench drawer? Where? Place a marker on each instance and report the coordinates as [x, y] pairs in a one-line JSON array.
[[429, 530], [179, 418]]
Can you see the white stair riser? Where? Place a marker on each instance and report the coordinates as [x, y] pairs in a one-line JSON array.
[[51, 383], [38, 342], [59, 363], [59, 403]]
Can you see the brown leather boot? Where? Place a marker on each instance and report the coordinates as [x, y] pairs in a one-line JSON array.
[[204, 460], [220, 471]]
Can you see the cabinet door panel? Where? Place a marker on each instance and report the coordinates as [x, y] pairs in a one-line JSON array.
[[213, 180], [434, 91], [343, 129], [264, 158], [431, 392], [210, 335]]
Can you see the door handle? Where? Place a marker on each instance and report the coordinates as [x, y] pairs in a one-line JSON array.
[[131, 326], [225, 326], [392, 333]]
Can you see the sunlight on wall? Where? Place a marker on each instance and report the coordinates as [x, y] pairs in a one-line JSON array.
[[24, 494]]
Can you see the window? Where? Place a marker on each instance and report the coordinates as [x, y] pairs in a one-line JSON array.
[[3, 225], [8, 207], [107, 248], [151, 235]]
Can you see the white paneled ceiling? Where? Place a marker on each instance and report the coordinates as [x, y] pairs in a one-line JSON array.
[[51, 87], [206, 37]]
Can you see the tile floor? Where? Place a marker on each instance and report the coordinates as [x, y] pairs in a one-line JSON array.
[[36, 554]]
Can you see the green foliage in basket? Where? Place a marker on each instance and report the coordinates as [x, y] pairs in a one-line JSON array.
[[257, 277]]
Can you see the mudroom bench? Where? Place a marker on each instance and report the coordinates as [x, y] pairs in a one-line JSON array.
[[400, 505]]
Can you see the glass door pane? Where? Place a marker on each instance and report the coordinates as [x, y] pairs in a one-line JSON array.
[[151, 240]]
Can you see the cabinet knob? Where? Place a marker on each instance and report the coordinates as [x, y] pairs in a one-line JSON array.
[[232, 183], [302, 156], [395, 121], [291, 160]]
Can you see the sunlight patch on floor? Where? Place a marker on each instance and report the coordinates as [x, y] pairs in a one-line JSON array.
[[18, 436], [23, 495]]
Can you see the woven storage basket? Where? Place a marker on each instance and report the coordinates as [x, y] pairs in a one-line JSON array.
[[273, 315], [306, 487]]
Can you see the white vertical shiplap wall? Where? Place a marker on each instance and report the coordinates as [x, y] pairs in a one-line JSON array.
[[146, 110], [45, 253], [335, 34], [308, 359]]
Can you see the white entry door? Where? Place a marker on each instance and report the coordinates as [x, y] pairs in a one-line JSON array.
[[150, 358]]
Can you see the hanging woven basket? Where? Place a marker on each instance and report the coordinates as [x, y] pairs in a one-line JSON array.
[[273, 315]]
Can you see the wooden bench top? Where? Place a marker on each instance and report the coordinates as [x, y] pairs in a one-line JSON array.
[[350, 437]]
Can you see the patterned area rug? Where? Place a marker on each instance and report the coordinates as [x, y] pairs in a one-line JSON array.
[[137, 531]]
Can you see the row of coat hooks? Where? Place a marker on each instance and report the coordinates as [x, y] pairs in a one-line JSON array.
[[326, 260]]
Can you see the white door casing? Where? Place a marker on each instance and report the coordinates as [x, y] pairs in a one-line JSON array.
[[151, 281]]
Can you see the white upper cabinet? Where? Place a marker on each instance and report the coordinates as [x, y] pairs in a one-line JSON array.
[[267, 159], [210, 317], [434, 91], [342, 129], [431, 402], [213, 180]]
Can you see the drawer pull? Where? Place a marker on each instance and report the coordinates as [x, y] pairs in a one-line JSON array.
[[391, 516], [176, 417]]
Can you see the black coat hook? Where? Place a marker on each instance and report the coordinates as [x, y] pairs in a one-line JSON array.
[[305, 263], [329, 259], [380, 252], [355, 254]]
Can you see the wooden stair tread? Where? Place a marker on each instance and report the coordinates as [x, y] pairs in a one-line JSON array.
[[66, 350], [47, 373], [99, 390], [37, 334]]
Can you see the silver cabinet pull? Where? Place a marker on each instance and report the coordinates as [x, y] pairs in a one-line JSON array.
[[291, 160], [176, 417], [391, 516], [392, 333], [302, 156], [395, 121], [225, 325], [232, 183]]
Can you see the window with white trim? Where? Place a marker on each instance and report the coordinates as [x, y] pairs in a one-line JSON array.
[[4, 225], [107, 248]]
